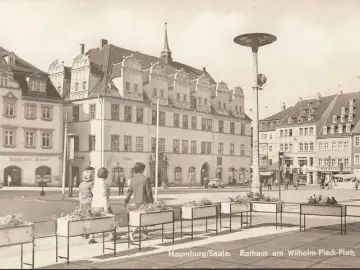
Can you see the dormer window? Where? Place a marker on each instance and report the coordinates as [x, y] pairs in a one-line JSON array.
[[351, 102], [351, 117], [290, 120], [348, 128], [340, 129], [324, 130], [302, 111], [351, 109], [342, 118], [37, 85], [309, 117], [332, 129], [334, 119], [299, 119], [342, 110]]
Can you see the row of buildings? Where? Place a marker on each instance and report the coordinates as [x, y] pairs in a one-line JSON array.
[[107, 99], [320, 138]]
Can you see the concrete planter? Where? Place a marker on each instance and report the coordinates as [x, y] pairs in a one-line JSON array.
[[232, 208], [353, 210], [323, 209], [151, 218], [86, 226], [17, 235], [270, 207], [195, 212]]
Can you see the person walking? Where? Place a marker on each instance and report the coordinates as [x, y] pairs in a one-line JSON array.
[[189, 181], [269, 183], [86, 196], [140, 187], [121, 183], [286, 183], [101, 196], [9, 180]]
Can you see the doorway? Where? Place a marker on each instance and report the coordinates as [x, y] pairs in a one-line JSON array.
[[160, 177], [205, 172], [15, 174], [116, 172]]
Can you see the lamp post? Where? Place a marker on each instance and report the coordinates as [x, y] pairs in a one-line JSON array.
[[64, 155], [254, 41], [281, 157]]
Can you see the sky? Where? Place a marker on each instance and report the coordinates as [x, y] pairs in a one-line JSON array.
[[317, 48]]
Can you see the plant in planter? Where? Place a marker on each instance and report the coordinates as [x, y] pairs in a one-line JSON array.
[[324, 206], [198, 209], [151, 214], [235, 205], [81, 222], [262, 203], [15, 230], [318, 199]]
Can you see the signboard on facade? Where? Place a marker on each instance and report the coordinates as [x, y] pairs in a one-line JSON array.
[[71, 147], [32, 159]]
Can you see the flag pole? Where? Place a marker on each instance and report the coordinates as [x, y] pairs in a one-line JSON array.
[[157, 151]]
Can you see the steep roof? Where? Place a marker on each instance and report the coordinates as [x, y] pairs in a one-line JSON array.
[[315, 107], [103, 61], [278, 115], [22, 69]]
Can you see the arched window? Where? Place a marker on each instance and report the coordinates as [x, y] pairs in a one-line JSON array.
[[192, 174], [43, 173], [177, 173], [3, 80]]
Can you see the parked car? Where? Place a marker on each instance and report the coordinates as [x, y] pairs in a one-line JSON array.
[[216, 182]]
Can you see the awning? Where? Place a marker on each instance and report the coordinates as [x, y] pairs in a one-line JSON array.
[[266, 173], [345, 176]]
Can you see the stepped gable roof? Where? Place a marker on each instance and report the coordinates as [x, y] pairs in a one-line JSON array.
[[22, 69], [318, 107], [104, 61], [278, 115]]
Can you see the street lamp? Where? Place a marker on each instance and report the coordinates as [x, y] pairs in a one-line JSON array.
[[281, 158], [256, 40]]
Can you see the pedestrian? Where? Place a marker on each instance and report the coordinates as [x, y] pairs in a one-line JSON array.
[[101, 196], [86, 196], [121, 183], [189, 181], [140, 186], [286, 183], [357, 181], [9, 180], [207, 180], [297, 183], [269, 183]]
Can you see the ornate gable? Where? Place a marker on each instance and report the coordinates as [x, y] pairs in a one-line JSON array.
[[10, 95]]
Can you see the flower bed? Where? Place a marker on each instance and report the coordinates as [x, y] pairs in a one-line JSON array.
[[15, 230], [237, 204], [196, 210], [318, 205], [151, 214], [80, 222]]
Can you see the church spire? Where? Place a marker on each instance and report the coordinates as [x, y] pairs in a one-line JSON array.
[[166, 53]]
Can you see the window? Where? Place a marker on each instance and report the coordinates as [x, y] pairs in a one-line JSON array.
[[192, 173], [185, 121], [135, 87], [220, 149], [306, 131], [91, 142], [115, 143], [342, 118], [176, 120], [177, 174], [351, 109], [301, 147], [342, 110], [326, 146], [9, 108], [290, 147], [324, 130], [340, 146], [127, 143], [221, 126], [185, 146], [184, 96], [29, 139], [286, 148], [340, 129], [290, 133], [320, 146], [242, 150], [139, 115], [334, 146], [357, 159], [161, 143], [301, 132], [139, 144], [311, 146], [208, 148], [242, 129], [115, 111], [203, 148], [205, 101], [306, 147], [76, 143], [357, 141], [281, 133], [76, 111], [219, 161], [346, 162], [9, 138], [219, 105], [76, 86], [92, 111], [351, 117], [154, 92], [176, 146], [153, 117], [348, 128], [203, 124], [46, 112], [209, 125], [161, 118], [232, 149], [351, 102], [193, 147], [309, 117], [333, 162], [128, 113], [281, 147], [311, 131], [46, 139], [162, 93], [3, 80], [340, 160], [30, 111], [332, 129], [285, 133], [127, 86], [199, 100], [270, 148], [84, 85], [193, 122], [346, 145], [334, 119], [178, 96]]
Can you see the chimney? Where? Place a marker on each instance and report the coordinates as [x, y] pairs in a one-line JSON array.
[[283, 106], [204, 69], [82, 48], [103, 42]]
